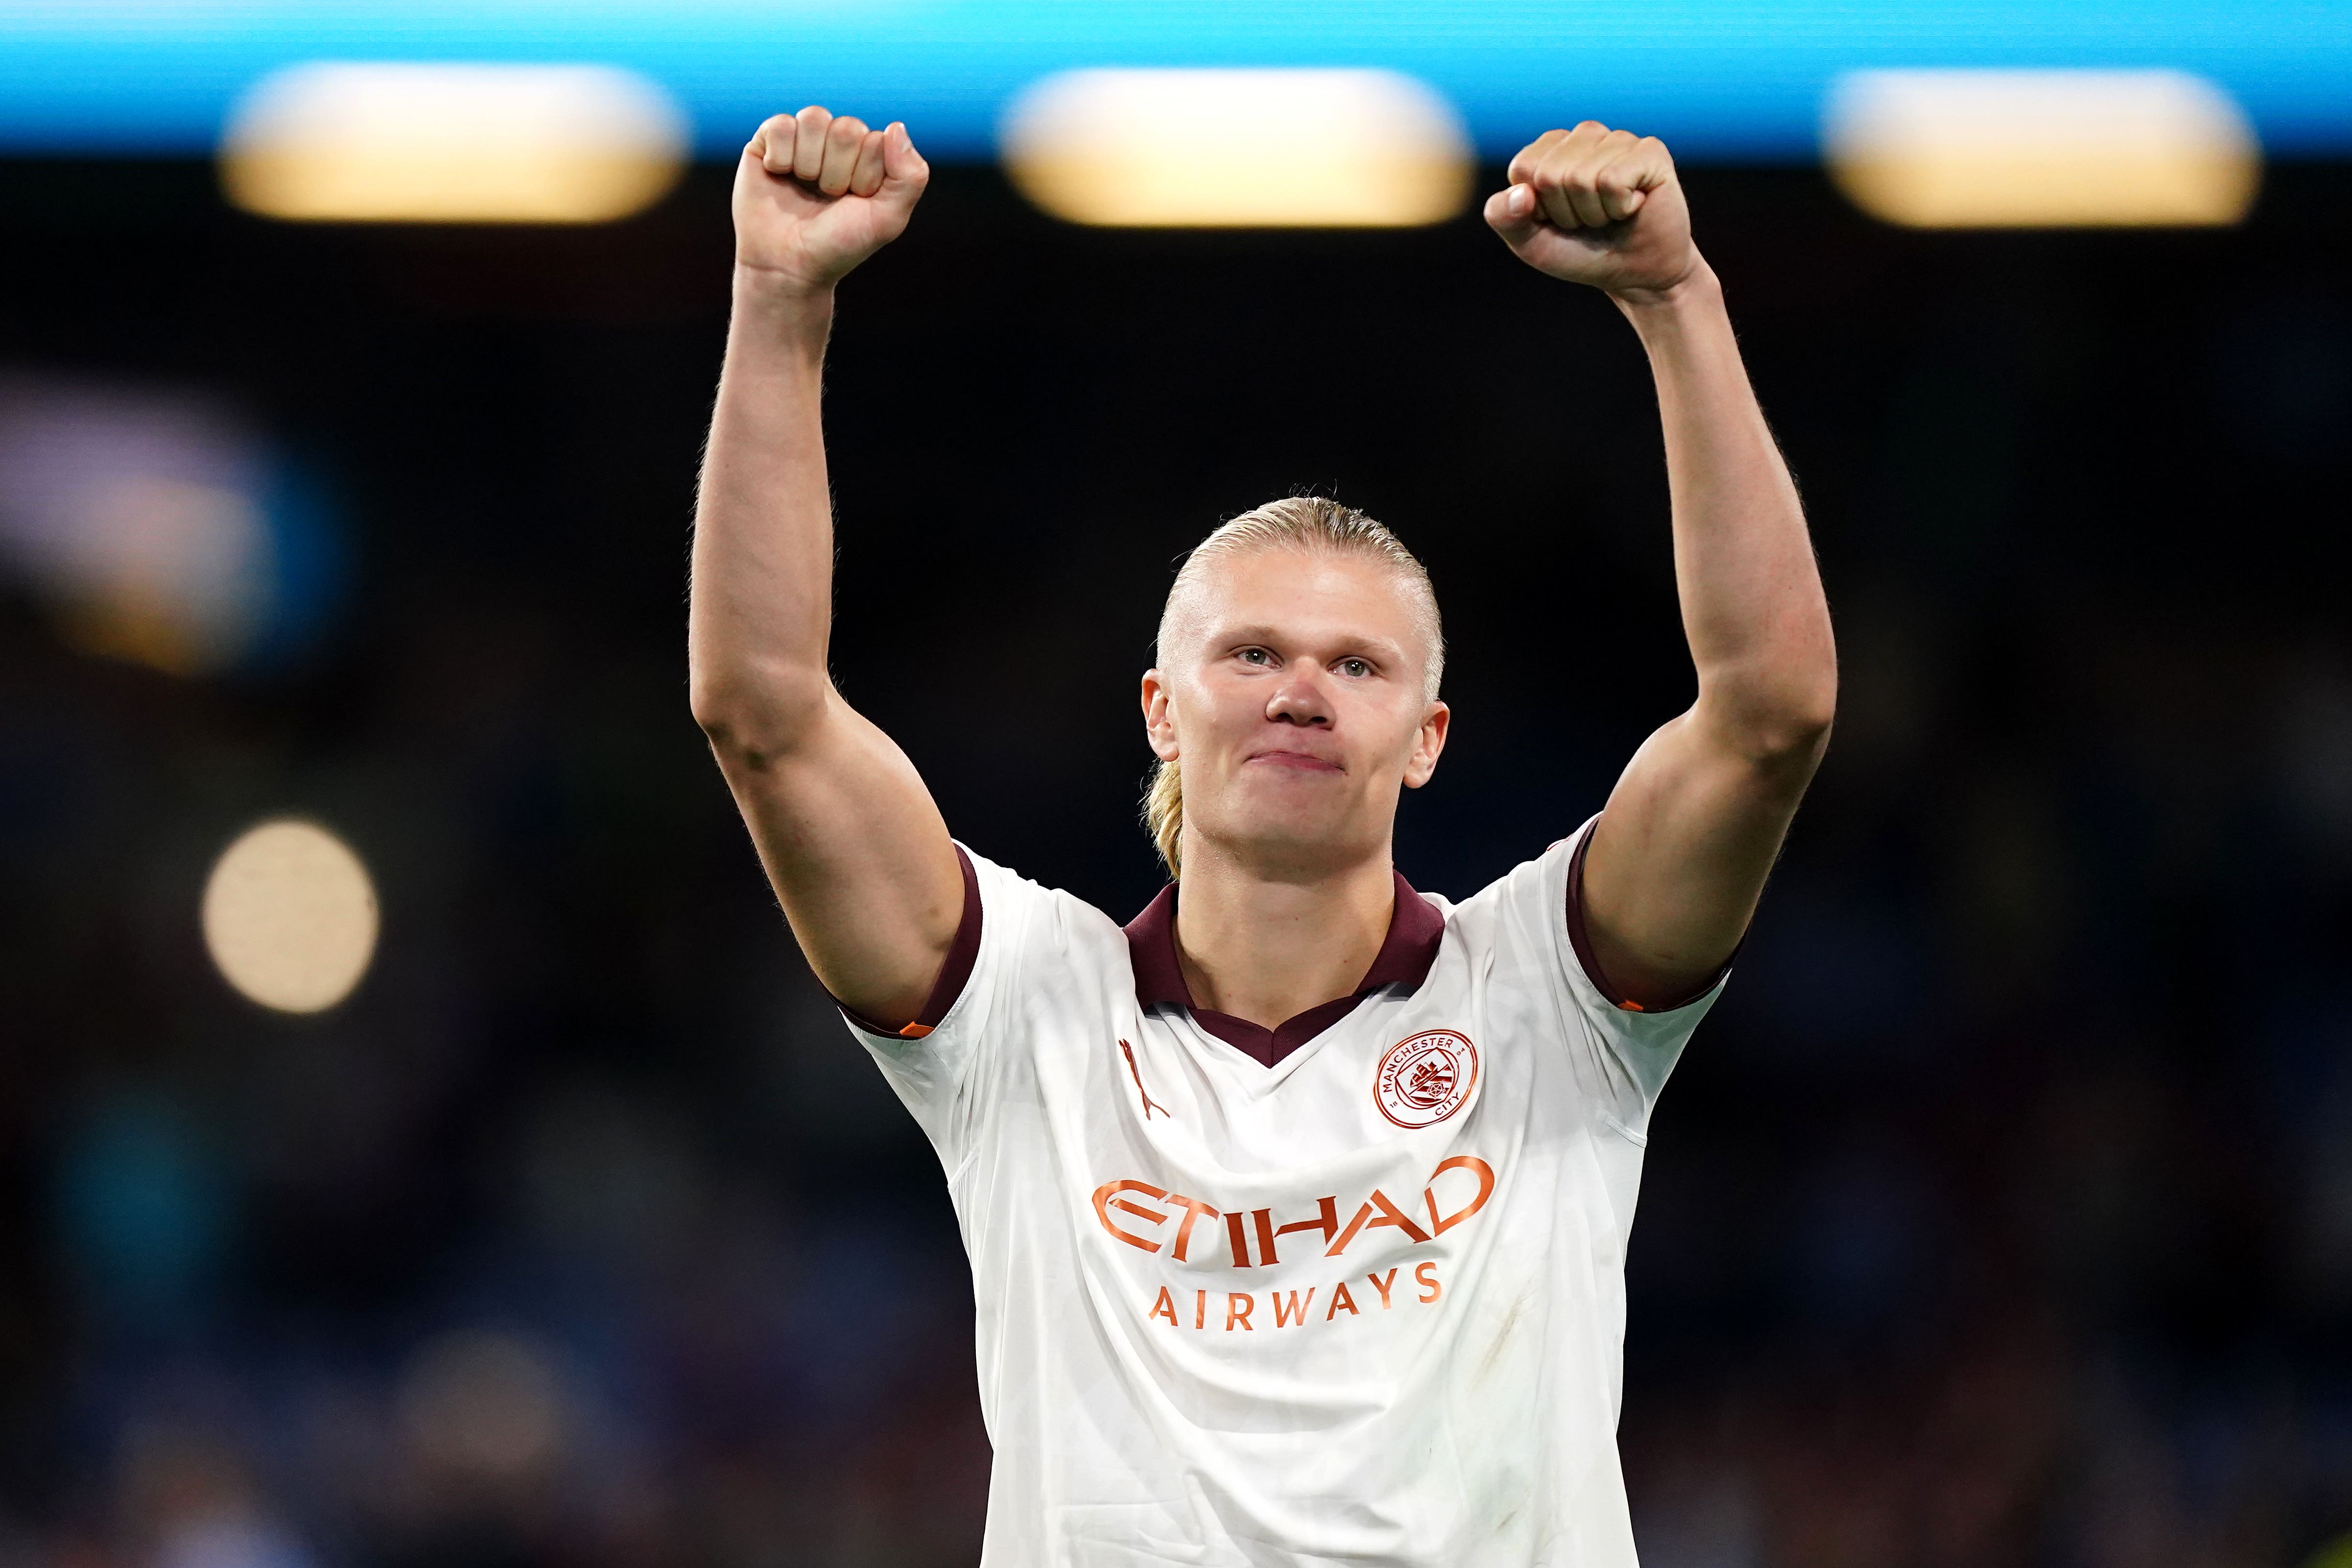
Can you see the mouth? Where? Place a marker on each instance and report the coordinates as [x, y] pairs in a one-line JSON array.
[[1300, 762]]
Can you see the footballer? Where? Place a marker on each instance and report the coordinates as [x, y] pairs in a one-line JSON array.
[[1296, 1207]]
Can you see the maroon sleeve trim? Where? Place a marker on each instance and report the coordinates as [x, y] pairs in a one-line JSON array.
[[954, 973], [1581, 939]]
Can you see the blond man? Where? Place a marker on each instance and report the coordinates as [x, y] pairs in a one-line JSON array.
[[1296, 1207]]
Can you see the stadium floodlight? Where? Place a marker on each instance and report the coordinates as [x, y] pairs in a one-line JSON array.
[[2040, 149], [1238, 148], [290, 916], [394, 142]]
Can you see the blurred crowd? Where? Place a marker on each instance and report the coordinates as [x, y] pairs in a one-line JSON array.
[[2000, 1215]]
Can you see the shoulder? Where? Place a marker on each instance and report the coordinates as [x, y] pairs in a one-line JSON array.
[[1023, 918], [1528, 901]]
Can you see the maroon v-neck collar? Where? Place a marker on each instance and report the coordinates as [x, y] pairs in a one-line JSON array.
[[1415, 931]]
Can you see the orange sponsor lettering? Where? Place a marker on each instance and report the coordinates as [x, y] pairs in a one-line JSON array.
[[1134, 1220], [1293, 1308], [1326, 1224], [1192, 1209], [1485, 1173], [1378, 1211], [1105, 1202]]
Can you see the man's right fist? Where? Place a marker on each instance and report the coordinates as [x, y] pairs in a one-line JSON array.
[[814, 196], [1598, 207]]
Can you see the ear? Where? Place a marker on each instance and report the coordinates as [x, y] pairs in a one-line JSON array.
[[1158, 728], [1426, 744]]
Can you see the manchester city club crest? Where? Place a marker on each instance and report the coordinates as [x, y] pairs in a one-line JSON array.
[[1425, 1078]]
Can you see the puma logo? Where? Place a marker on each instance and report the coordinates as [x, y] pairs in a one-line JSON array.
[[1128, 1051]]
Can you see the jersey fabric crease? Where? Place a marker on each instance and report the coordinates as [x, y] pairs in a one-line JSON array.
[[1364, 1304]]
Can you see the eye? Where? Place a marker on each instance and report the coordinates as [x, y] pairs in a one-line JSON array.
[[1255, 655], [1354, 667]]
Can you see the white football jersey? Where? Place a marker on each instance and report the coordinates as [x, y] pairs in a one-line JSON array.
[[1364, 1306]]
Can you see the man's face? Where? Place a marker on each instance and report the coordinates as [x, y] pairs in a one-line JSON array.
[[1295, 689]]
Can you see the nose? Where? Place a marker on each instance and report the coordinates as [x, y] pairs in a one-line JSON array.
[[1299, 701]]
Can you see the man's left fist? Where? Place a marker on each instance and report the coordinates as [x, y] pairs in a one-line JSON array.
[[1598, 206]]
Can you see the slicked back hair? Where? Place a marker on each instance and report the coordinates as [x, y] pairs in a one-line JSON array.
[[1314, 525]]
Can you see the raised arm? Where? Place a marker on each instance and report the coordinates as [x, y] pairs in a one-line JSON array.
[[1679, 858], [854, 846]]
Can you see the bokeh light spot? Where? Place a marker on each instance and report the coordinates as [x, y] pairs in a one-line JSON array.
[[2040, 149], [483, 1403], [1238, 148], [400, 141], [290, 916]]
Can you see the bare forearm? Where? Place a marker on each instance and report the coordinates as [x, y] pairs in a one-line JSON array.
[[761, 608], [852, 842], [1751, 596], [1676, 863]]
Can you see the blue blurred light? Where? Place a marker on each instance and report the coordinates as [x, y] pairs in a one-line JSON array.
[[309, 563], [146, 1211], [1721, 79]]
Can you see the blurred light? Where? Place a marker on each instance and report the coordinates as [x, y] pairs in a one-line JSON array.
[[146, 1210], [2040, 149], [1238, 148], [452, 143], [188, 1490], [160, 527], [290, 916], [484, 1404], [1719, 80]]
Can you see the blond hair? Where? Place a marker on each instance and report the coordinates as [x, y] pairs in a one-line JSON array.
[[1315, 525]]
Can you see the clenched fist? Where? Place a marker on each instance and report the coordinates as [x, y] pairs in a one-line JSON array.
[[1598, 207], [816, 194]]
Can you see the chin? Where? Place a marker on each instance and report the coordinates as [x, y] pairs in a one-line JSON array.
[[1293, 822], [1285, 844]]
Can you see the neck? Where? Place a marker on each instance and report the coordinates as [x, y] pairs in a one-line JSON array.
[[1267, 949]]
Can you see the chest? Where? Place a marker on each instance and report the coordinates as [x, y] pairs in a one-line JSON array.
[[1402, 1117]]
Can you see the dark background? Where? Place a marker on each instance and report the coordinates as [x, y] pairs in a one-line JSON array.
[[2001, 1213]]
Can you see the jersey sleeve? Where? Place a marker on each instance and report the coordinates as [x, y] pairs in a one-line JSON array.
[[934, 1064], [1624, 1052]]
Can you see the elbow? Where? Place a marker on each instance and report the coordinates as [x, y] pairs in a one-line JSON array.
[[1783, 723], [752, 715], [1806, 711], [1802, 713], [1798, 737]]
